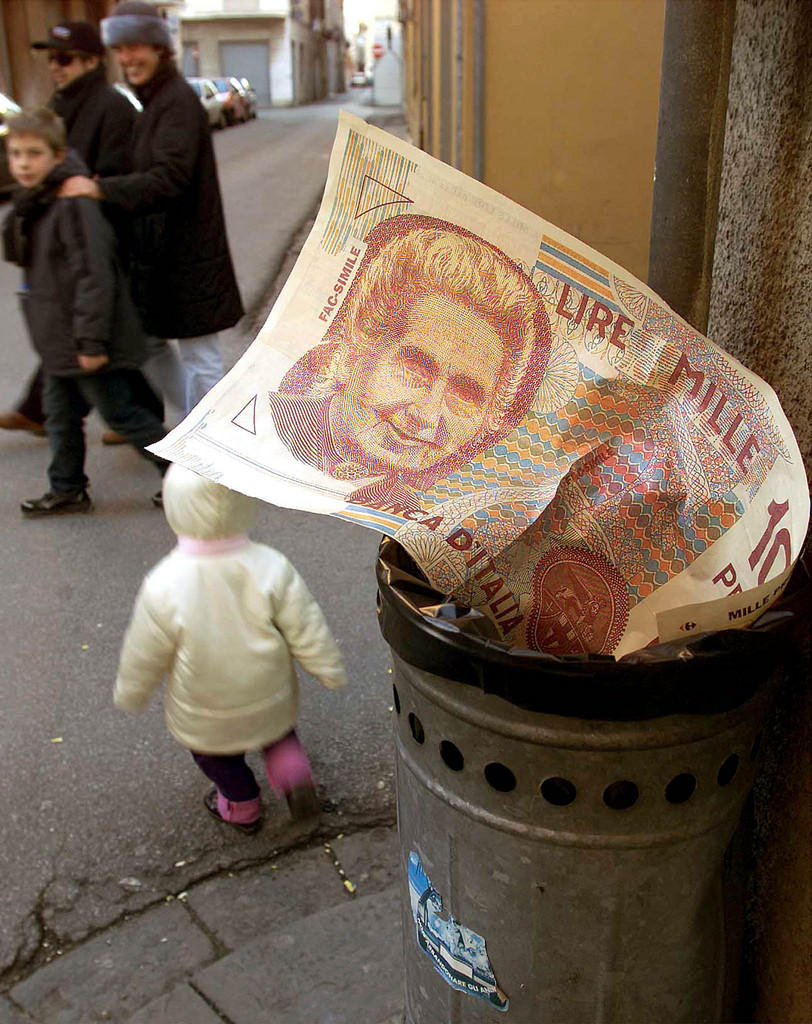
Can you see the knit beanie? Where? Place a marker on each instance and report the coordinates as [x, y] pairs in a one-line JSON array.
[[133, 22]]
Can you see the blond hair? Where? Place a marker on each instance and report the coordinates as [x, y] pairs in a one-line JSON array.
[[43, 124]]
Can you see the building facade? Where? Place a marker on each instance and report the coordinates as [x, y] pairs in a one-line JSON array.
[[291, 50], [24, 72], [373, 29]]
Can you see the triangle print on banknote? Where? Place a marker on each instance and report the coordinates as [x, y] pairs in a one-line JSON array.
[[246, 418], [376, 194]]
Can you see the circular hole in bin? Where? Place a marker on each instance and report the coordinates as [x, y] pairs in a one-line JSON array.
[[754, 750], [396, 698], [621, 795], [680, 788], [417, 727], [500, 777], [728, 770], [558, 791], [452, 755]]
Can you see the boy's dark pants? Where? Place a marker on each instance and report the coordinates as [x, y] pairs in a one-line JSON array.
[[31, 403], [69, 399]]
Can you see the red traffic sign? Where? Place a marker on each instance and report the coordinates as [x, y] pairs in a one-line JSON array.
[[377, 50]]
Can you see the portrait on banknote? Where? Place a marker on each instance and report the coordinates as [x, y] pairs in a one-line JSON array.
[[435, 355], [547, 439]]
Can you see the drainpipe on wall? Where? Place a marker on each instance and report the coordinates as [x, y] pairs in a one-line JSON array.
[[479, 89], [459, 56], [697, 44]]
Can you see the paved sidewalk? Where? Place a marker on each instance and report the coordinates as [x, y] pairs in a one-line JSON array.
[[281, 939], [312, 936]]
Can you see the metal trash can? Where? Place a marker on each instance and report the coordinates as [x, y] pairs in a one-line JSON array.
[[564, 821]]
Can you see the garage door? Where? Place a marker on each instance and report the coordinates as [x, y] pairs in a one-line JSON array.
[[248, 60]]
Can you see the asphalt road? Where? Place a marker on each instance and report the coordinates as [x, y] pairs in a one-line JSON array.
[[99, 809]]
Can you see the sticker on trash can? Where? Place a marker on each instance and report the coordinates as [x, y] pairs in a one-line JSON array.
[[457, 953]]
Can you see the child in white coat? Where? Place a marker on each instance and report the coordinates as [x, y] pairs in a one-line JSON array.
[[224, 618]]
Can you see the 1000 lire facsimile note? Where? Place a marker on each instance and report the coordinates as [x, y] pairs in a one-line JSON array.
[[549, 441]]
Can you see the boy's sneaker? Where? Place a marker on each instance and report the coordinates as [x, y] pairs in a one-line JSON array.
[[303, 802], [53, 504]]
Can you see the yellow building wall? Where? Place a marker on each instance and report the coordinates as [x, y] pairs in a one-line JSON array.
[[570, 119]]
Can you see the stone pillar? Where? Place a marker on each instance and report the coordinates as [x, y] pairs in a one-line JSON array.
[[760, 309], [761, 299]]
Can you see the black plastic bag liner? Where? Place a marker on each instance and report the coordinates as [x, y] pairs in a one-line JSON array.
[[703, 674]]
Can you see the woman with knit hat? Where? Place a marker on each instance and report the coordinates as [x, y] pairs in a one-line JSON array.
[[182, 274]]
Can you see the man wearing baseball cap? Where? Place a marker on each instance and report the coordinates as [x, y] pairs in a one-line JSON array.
[[98, 119], [99, 122]]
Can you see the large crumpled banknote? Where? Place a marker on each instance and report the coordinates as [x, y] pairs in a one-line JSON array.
[[550, 442]]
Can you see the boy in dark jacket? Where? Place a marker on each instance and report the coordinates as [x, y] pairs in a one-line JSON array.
[[99, 123], [77, 307]]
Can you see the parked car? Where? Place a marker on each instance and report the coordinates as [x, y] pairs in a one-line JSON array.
[[7, 108], [247, 93], [233, 102], [212, 104]]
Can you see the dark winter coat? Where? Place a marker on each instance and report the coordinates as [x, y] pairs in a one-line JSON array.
[[182, 275], [99, 122], [76, 299]]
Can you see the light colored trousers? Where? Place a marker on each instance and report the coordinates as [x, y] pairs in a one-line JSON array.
[[183, 371]]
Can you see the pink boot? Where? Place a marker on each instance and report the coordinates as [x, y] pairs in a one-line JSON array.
[[244, 815], [290, 775]]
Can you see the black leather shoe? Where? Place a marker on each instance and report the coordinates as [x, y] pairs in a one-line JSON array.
[[51, 504]]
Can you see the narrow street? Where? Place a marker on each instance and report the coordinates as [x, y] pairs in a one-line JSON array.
[[272, 173], [102, 812]]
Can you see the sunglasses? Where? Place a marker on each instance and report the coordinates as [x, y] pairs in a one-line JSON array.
[[64, 58]]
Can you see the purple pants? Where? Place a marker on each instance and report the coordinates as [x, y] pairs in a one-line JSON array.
[[286, 767]]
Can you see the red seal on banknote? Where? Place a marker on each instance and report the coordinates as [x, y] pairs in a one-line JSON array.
[[580, 604]]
